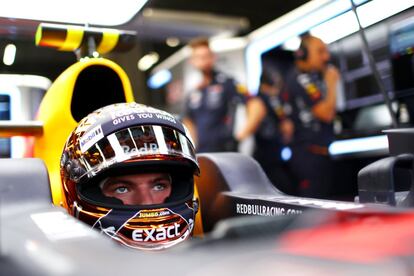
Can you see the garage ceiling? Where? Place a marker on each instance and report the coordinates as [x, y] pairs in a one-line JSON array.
[[158, 20], [257, 12]]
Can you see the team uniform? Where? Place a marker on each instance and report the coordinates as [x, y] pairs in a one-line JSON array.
[[212, 111], [269, 144], [310, 159]]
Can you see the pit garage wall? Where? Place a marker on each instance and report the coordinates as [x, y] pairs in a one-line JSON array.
[[25, 93]]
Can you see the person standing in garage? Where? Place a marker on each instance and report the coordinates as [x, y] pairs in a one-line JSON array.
[[312, 85], [210, 107], [268, 119]]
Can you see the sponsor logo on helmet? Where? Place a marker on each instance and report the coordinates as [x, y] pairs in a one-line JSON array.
[[90, 138], [153, 214], [123, 119], [120, 116], [147, 147], [156, 234]]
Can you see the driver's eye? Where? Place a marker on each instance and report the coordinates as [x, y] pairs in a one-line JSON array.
[[121, 190], [159, 186]]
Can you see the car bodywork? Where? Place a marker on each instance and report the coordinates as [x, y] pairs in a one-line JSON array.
[[39, 238]]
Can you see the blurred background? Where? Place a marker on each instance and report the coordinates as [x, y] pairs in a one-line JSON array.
[[247, 37], [163, 27]]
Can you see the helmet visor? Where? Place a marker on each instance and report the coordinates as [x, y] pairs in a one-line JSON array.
[[146, 142]]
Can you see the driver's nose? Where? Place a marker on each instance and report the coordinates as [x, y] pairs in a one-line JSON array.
[[144, 197]]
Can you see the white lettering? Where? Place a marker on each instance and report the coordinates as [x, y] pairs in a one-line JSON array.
[[165, 117], [161, 235], [144, 115], [292, 211], [123, 119], [137, 235], [169, 235], [149, 234], [156, 234], [145, 148], [267, 211], [280, 211]]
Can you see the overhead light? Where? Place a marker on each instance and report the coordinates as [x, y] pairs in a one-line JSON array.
[[227, 44], [172, 41], [147, 61], [375, 11], [292, 44], [159, 79], [343, 25], [286, 154], [369, 14], [95, 12], [357, 145], [9, 54]]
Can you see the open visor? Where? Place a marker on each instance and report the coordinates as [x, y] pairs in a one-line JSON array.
[[145, 142]]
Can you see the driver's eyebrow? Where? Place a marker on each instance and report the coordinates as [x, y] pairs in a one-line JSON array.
[[163, 177], [114, 181]]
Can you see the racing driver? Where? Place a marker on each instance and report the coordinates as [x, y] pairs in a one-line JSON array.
[[128, 170]]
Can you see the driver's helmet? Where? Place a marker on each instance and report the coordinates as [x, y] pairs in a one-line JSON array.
[[116, 146]]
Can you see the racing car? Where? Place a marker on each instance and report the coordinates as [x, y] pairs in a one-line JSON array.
[[249, 228], [245, 224]]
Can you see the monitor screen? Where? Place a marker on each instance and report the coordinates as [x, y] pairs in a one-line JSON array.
[[402, 49]]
